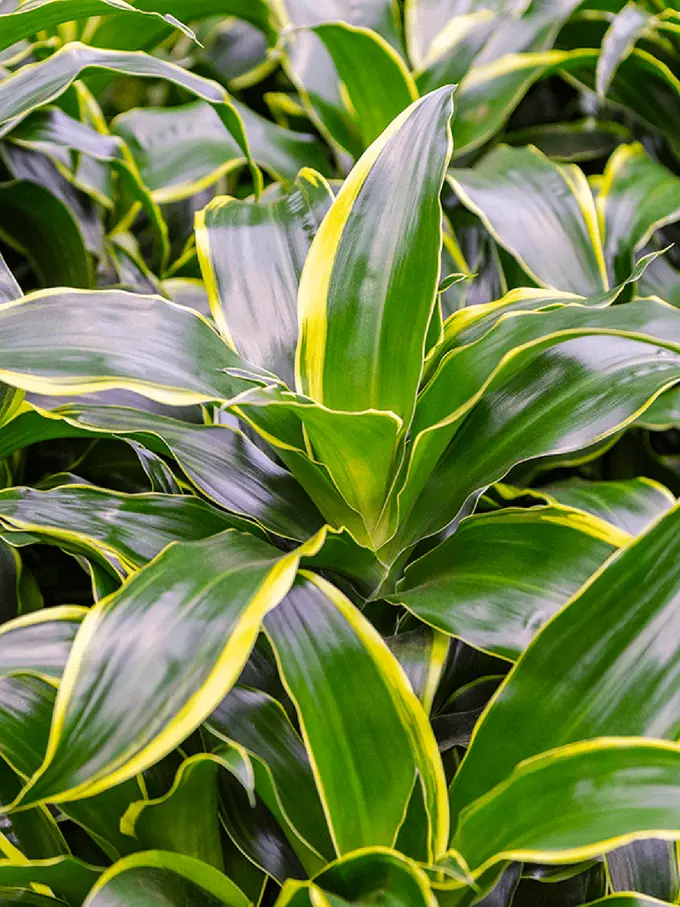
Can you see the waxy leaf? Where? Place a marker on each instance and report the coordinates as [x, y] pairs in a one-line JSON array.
[[157, 878], [575, 803], [66, 342], [526, 201], [183, 150], [638, 195], [315, 630], [35, 16], [252, 256], [103, 734], [379, 89], [39, 642], [218, 459], [492, 423], [186, 819], [629, 504], [650, 867], [43, 82], [360, 281], [130, 529], [500, 576], [254, 720], [616, 677]]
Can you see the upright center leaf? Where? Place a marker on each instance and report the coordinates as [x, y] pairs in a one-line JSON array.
[[369, 283]]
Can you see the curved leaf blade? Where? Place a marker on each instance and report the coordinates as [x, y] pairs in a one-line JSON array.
[[345, 731], [251, 256], [351, 327], [500, 576], [607, 662], [102, 735]]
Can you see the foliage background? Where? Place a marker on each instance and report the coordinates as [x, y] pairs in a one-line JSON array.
[[339, 571]]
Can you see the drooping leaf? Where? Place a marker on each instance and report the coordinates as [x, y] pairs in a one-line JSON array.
[[182, 150], [227, 467], [614, 678], [553, 204], [132, 529], [157, 878], [65, 342], [219, 610], [629, 504], [596, 795], [500, 576], [45, 81], [39, 642], [35, 16]]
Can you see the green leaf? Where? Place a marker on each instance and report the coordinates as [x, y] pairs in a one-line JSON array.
[[658, 106], [66, 876], [500, 576], [571, 142], [313, 632], [306, 894], [131, 723], [311, 68], [491, 91], [525, 201], [575, 803], [650, 867], [422, 653], [113, 31], [39, 643], [160, 879], [10, 397], [33, 17], [71, 342], [573, 384], [43, 82], [607, 661], [9, 288], [183, 150], [353, 353], [378, 90], [357, 451], [185, 820], [664, 413], [254, 720], [377, 873], [251, 256], [57, 135], [219, 460], [127, 528], [39, 225], [627, 27], [629, 504], [637, 196]]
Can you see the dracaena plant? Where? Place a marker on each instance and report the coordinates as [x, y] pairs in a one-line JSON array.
[[299, 633]]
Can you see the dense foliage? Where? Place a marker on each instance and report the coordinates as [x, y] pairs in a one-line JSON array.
[[339, 453]]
